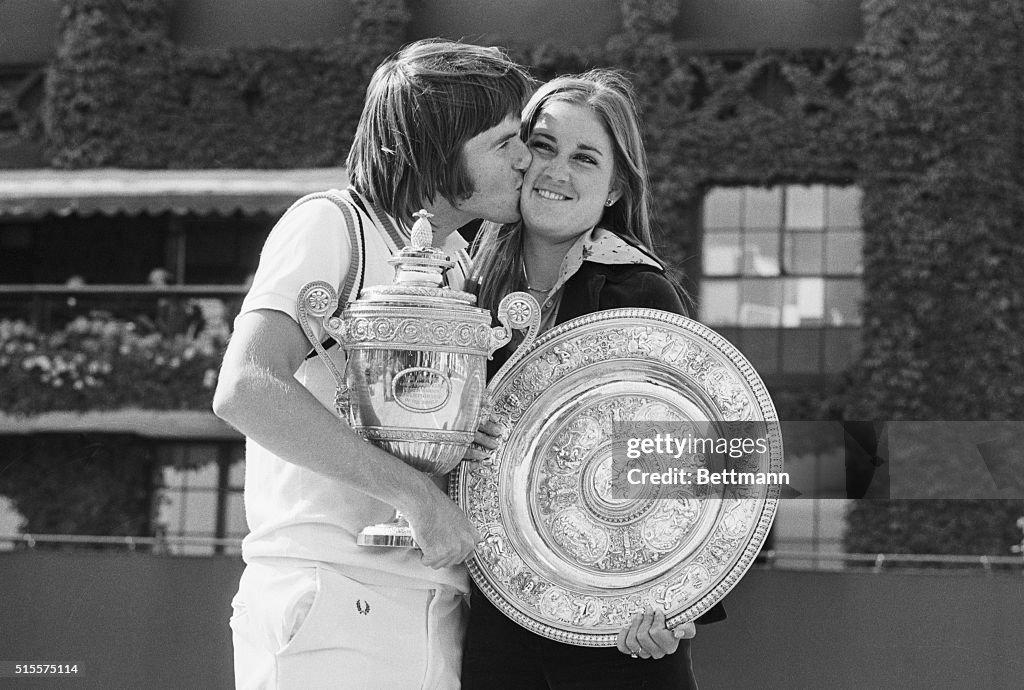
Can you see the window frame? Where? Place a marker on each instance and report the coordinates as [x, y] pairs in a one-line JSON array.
[[734, 219]]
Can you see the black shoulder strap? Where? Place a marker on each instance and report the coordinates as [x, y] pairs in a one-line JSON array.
[[353, 282]]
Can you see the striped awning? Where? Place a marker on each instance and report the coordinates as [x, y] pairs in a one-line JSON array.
[[112, 191]]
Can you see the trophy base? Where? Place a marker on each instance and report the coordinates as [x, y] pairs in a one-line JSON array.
[[397, 533]]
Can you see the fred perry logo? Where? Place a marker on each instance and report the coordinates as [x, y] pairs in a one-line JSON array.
[[363, 607]]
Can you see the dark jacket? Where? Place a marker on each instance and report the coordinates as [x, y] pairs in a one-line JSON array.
[[596, 287]]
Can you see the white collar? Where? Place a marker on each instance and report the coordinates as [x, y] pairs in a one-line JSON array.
[[600, 246]]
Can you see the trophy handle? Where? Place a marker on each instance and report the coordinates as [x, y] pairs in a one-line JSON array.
[[320, 300], [516, 311]]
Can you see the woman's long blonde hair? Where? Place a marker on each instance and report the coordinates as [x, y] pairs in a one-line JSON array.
[[498, 249]]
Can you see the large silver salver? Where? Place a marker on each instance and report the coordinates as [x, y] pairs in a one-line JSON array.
[[416, 354], [563, 554]]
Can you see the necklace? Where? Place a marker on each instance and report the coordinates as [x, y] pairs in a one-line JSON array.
[[526, 280]]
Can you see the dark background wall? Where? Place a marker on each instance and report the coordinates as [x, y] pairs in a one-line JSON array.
[[133, 620], [28, 31], [30, 26]]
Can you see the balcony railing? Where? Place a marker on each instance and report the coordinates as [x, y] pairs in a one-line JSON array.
[[49, 306]]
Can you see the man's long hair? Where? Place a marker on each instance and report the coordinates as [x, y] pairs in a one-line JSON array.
[[422, 105]]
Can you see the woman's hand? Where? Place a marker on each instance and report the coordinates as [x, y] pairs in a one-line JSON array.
[[488, 436], [646, 636]]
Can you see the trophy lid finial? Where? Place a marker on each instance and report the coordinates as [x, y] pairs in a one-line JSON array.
[[422, 233]]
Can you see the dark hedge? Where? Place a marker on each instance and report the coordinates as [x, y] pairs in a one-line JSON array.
[[80, 483], [926, 115]]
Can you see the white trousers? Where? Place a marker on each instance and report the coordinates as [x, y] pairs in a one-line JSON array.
[[307, 627]]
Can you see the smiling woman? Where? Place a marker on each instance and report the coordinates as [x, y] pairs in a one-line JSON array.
[[568, 185], [588, 183], [583, 245]]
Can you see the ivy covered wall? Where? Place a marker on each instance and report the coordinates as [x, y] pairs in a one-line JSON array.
[[926, 115], [940, 92], [120, 93]]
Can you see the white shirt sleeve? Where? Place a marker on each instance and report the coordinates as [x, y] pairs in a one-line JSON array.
[[310, 242]]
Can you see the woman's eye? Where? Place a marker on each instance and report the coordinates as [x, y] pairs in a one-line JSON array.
[[586, 159], [540, 145]]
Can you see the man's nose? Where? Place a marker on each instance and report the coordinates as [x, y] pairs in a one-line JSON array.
[[521, 156]]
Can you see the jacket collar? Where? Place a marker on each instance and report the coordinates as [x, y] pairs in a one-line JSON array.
[[602, 246]]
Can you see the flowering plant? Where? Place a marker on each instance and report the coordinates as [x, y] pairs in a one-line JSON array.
[[101, 363]]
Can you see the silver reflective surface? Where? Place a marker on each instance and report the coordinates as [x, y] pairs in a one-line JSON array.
[[564, 553]]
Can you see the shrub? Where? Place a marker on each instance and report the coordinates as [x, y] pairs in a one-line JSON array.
[[100, 363]]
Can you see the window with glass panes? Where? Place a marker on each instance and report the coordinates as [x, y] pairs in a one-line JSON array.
[[782, 273], [201, 495]]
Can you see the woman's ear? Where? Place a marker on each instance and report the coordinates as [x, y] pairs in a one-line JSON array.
[[613, 196]]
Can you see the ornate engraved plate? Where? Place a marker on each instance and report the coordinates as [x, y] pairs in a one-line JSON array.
[[564, 554]]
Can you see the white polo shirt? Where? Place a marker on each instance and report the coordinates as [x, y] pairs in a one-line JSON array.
[[294, 512]]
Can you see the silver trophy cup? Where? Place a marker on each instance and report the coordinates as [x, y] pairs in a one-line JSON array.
[[416, 353]]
